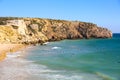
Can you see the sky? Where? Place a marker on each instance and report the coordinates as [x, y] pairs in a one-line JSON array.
[[104, 13]]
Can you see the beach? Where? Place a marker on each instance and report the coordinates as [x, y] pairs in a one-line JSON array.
[[6, 48], [62, 60]]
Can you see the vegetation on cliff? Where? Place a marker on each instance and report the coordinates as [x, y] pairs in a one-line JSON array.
[[37, 30]]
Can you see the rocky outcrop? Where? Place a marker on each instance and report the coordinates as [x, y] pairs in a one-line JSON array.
[[37, 30]]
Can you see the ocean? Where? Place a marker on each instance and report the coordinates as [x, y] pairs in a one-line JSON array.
[[84, 59]]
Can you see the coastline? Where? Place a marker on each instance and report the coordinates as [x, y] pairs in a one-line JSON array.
[[42, 61], [6, 48]]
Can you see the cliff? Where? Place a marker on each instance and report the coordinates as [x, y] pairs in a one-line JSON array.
[[37, 30]]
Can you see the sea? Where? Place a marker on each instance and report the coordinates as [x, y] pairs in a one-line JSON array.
[[81, 59]]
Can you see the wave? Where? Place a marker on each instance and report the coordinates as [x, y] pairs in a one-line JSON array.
[[105, 77], [56, 47], [15, 54], [80, 76], [17, 68], [22, 69], [12, 56], [45, 43]]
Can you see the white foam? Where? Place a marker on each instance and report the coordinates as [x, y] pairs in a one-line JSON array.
[[13, 68], [45, 43], [82, 76], [56, 47], [21, 69], [13, 56], [63, 77]]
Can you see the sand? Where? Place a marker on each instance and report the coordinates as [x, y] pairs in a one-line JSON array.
[[5, 48]]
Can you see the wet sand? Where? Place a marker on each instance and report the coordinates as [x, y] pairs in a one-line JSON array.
[[5, 48]]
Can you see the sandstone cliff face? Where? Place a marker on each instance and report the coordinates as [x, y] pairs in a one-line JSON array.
[[37, 30], [8, 34]]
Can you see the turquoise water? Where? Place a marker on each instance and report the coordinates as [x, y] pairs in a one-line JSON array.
[[93, 59]]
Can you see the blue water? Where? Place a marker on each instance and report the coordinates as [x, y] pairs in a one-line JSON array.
[[93, 59]]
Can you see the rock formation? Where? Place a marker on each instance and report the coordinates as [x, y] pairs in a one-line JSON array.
[[37, 30]]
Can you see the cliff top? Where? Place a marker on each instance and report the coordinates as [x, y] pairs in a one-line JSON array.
[[2, 19], [38, 30]]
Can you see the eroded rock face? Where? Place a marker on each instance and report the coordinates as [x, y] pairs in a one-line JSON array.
[[89, 30], [25, 34], [36, 30], [8, 34]]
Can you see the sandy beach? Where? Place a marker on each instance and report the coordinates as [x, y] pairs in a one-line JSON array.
[[5, 48]]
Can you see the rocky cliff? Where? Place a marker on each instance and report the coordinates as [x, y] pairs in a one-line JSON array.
[[37, 30]]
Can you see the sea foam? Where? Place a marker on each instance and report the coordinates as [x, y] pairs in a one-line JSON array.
[[56, 47]]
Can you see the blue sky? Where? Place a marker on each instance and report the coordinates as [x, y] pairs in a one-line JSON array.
[[105, 13]]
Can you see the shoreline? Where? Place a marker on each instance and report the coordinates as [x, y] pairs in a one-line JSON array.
[[6, 48]]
